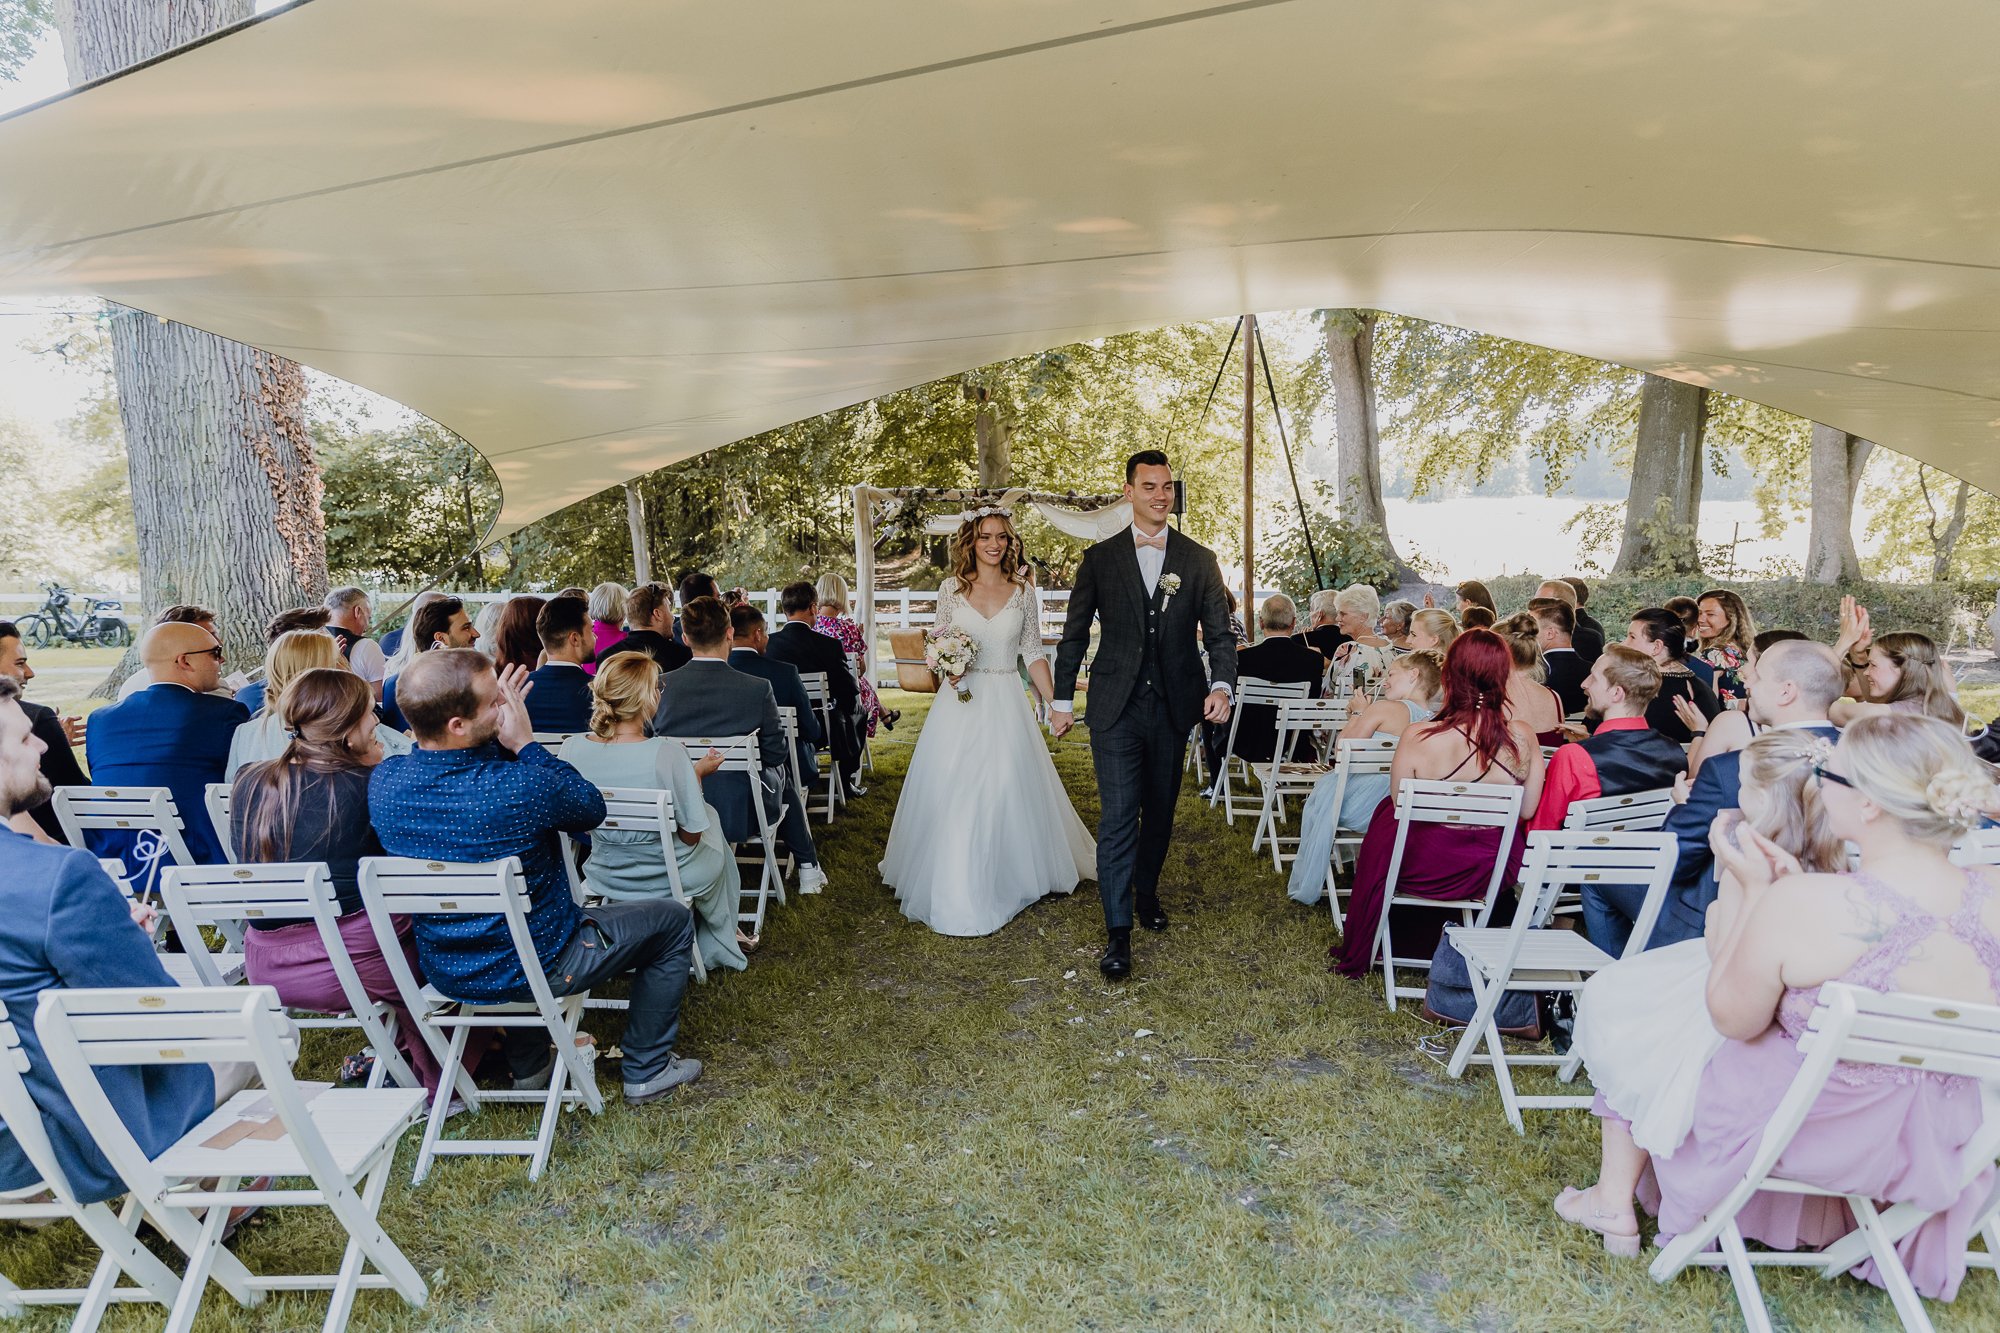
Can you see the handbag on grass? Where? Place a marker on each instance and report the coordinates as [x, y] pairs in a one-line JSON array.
[[907, 648]]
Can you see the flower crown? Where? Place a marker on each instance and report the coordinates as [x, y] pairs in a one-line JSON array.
[[986, 511]]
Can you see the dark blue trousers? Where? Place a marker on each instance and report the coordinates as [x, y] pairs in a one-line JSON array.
[[1138, 757]]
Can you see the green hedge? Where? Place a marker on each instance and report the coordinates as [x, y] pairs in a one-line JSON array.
[[1813, 608]]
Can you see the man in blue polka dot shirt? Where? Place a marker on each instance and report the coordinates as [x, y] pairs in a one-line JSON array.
[[478, 788]]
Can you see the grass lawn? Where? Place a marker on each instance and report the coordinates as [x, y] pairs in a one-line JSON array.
[[903, 1131]]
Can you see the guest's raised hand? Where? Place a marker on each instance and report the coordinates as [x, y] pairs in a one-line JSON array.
[[516, 731], [1690, 716], [1750, 857]]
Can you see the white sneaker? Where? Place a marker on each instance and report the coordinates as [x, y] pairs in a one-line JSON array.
[[811, 879]]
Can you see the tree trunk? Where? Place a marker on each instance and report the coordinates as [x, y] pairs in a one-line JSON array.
[[1350, 345], [1664, 504], [635, 523], [1837, 461], [1943, 544], [225, 488], [993, 430]]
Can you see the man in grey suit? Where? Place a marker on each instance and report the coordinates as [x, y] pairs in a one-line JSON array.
[[748, 636], [1149, 587], [708, 697]]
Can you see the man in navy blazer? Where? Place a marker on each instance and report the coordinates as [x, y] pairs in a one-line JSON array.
[[558, 697], [749, 639], [63, 923], [172, 734], [709, 698], [798, 644], [1792, 685]]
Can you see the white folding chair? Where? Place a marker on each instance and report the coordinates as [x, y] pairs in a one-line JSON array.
[[788, 717], [1251, 692], [819, 692], [1526, 957], [740, 755], [147, 811], [1369, 756], [215, 796], [1981, 847], [114, 1234], [1634, 812], [637, 810], [1285, 776], [228, 962], [393, 886], [1470, 805], [1855, 1026], [220, 896], [342, 1140]]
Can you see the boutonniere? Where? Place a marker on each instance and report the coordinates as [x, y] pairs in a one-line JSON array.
[[1169, 585]]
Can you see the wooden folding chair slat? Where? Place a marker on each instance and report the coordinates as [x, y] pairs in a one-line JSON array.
[[1285, 777], [1470, 804]]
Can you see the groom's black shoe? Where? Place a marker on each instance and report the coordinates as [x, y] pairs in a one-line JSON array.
[[1150, 914], [1116, 961]]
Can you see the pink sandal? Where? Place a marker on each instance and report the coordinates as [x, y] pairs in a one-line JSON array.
[[1574, 1206]]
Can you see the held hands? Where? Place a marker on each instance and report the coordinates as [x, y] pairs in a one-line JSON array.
[[709, 763], [516, 731], [1216, 707], [1060, 721]]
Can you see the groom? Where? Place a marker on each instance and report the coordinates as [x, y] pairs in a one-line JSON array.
[[1149, 586]]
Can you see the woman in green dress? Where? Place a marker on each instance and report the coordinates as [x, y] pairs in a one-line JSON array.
[[616, 752]]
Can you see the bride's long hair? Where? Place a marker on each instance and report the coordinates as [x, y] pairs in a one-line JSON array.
[[965, 556]]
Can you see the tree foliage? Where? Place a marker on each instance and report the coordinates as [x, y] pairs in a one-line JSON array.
[[1913, 506], [22, 22]]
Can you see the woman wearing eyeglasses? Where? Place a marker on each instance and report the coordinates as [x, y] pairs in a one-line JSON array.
[[1902, 788]]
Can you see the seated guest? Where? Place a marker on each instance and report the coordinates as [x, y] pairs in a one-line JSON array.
[[1901, 788], [1793, 686], [1473, 593], [1730, 729], [350, 616], [252, 696], [1563, 667], [1903, 673], [515, 642], [1623, 755], [1431, 631], [1688, 612], [607, 621], [392, 642], [694, 584], [1470, 740], [179, 614], [266, 735], [1588, 643], [1723, 634], [560, 698], [58, 763], [1282, 659], [1323, 633], [708, 697], [438, 624], [649, 618], [833, 621], [486, 625], [617, 753], [65, 925], [1642, 1024], [1396, 624], [1409, 695], [310, 803], [748, 640], [796, 643], [1475, 617], [173, 734], [1656, 632], [1587, 626], [478, 788], [1529, 701], [1356, 608]]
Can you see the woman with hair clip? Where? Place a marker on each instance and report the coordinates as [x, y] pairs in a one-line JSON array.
[[617, 752], [984, 827], [1470, 740], [310, 803], [1902, 672], [1902, 788], [1529, 700]]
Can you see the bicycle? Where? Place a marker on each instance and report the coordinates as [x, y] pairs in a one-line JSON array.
[[101, 623]]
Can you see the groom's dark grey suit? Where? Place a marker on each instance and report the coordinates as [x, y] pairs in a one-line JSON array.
[[1147, 686]]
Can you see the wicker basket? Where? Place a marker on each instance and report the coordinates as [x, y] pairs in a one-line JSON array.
[[911, 673]]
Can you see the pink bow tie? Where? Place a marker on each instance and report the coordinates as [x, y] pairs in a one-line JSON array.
[[1158, 541]]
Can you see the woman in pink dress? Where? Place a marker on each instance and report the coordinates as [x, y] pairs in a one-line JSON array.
[[1470, 740], [832, 621], [1901, 788]]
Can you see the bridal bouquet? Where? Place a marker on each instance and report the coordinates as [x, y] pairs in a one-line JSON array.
[[950, 653]]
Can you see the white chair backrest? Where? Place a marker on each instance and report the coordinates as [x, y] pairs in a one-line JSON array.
[[215, 796], [1636, 811], [1302, 715], [1572, 858], [818, 689], [23, 1116], [1255, 692], [739, 753], [1981, 847], [121, 809], [226, 896], [393, 886], [1367, 755], [1474, 804]]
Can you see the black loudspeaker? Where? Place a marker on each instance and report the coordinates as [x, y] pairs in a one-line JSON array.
[[1180, 497]]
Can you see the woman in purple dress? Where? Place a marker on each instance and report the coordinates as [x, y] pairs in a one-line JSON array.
[[1901, 788], [1470, 740]]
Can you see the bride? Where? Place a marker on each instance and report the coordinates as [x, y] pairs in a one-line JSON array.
[[984, 826]]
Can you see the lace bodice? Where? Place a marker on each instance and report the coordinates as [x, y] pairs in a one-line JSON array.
[[1878, 968], [1015, 632]]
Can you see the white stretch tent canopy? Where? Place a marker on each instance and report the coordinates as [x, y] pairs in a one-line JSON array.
[[599, 237]]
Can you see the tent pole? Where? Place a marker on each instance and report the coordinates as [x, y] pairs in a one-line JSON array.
[[635, 522], [1250, 472]]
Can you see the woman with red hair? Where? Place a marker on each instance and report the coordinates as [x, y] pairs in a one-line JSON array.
[[1470, 740]]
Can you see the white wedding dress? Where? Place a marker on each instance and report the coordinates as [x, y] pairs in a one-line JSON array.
[[984, 826]]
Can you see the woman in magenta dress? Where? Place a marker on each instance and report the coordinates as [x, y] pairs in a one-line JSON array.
[[1470, 740], [1901, 788]]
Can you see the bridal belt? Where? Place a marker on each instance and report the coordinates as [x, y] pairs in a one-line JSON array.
[[992, 671]]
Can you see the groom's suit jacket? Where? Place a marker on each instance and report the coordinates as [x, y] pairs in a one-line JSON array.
[[1110, 588]]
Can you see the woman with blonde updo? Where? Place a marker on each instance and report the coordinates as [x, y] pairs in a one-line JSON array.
[[616, 752], [1901, 788], [1529, 699], [290, 656]]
